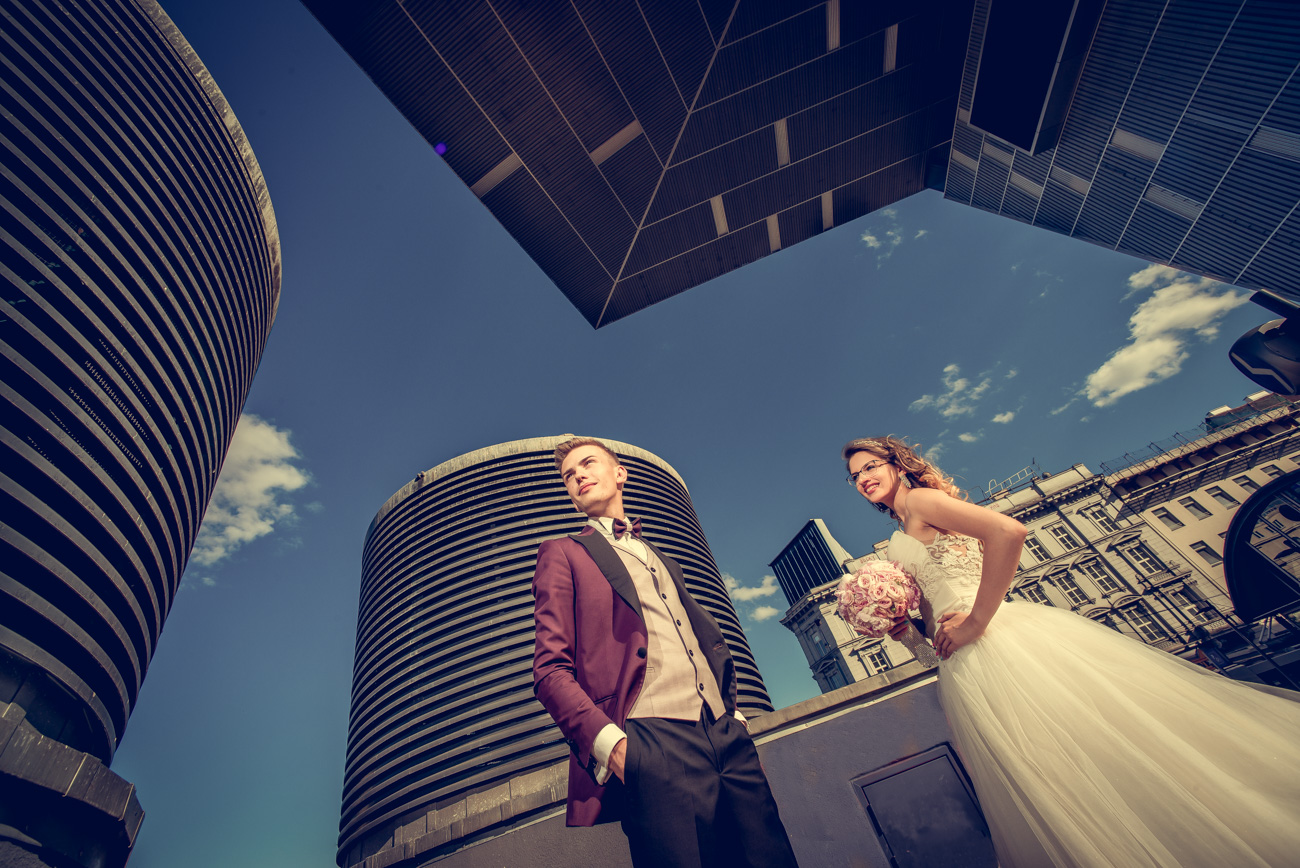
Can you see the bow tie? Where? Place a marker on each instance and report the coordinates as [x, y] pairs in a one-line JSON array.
[[621, 527]]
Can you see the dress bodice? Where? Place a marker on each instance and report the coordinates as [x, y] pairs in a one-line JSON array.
[[947, 570]]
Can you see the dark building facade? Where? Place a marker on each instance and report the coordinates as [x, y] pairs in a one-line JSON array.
[[1181, 144], [635, 150], [810, 560], [446, 742], [141, 271]]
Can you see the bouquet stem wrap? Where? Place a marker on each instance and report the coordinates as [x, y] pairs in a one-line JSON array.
[[913, 641]]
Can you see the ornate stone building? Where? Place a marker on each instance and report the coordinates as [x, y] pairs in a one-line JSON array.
[[1137, 547]]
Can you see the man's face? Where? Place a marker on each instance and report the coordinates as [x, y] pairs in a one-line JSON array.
[[594, 481]]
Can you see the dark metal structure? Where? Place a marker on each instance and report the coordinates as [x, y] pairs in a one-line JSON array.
[[636, 150], [1181, 144], [140, 267], [443, 714], [1261, 553], [810, 560]]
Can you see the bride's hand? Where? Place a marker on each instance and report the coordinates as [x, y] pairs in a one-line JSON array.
[[899, 628], [955, 630]]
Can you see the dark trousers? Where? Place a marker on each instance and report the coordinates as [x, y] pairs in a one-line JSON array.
[[697, 797]]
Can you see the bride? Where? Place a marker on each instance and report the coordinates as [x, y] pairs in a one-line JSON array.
[[1086, 748]]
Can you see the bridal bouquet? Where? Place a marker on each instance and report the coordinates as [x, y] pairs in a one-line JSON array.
[[879, 593]]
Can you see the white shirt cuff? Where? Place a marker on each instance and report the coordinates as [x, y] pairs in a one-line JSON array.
[[741, 718], [606, 740]]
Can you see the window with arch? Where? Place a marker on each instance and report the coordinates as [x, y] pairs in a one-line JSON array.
[[1143, 559], [1062, 535], [1097, 515], [878, 660], [1036, 549], [1145, 623], [1105, 581], [1034, 594], [1066, 584]]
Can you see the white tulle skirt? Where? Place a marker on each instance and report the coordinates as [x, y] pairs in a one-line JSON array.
[[1088, 748]]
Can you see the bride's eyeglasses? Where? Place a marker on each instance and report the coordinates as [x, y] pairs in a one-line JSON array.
[[868, 468]]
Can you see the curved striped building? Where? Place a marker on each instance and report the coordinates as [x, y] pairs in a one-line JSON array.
[[446, 739], [140, 270]]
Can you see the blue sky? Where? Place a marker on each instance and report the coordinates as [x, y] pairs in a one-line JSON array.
[[412, 329]]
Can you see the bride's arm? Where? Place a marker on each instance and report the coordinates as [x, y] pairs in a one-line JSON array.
[[1003, 538]]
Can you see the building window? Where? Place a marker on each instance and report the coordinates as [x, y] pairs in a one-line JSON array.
[[1190, 602], [1143, 560], [835, 678], [1148, 628], [1062, 535], [1222, 497], [1272, 471], [1034, 594], [1101, 577], [1097, 515], [878, 660], [817, 641], [1246, 484], [1210, 555], [1035, 548], [1194, 507], [1171, 521], [1070, 588]]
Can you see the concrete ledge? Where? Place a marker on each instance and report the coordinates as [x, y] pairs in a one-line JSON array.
[[477, 816], [773, 725], [539, 796], [62, 801]]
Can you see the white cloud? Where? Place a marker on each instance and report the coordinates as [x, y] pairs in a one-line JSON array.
[[959, 396], [1160, 330], [1012, 373], [1004, 418], [969, 437], [886, 239], [1150, 275], [932, 454], [763, 613], [766, 588], [257, 471], [1061, 409]]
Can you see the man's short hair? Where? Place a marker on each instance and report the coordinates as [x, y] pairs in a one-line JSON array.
[[562, 451]]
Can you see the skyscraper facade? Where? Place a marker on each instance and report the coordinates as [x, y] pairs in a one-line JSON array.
[[141, 271], [1180, 144], [812, 558], [446, 740]]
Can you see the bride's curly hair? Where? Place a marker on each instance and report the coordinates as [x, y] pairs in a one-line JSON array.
[[917, 472]]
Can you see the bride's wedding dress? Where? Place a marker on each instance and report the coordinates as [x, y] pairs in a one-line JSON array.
[[1088, 748]]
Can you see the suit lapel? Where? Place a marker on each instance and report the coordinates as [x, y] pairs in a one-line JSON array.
[[609, 563]]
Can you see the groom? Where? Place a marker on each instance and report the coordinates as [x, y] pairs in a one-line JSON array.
[[640, 681]]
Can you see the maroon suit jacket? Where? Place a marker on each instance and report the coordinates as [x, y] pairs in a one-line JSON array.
[[589, 657]]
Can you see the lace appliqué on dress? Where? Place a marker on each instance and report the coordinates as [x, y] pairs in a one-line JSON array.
[[956, 561]]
